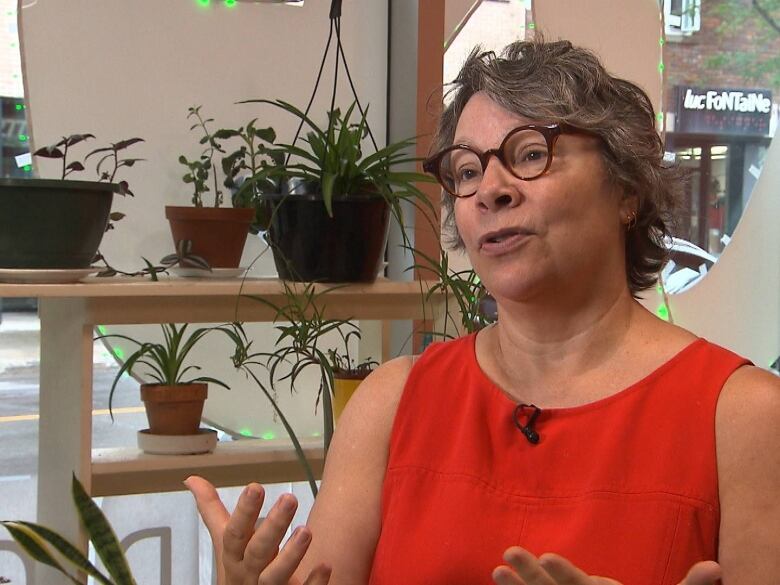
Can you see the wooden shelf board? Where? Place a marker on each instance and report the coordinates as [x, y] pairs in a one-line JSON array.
[[131, 471]]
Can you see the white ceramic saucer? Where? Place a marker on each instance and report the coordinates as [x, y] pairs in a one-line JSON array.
[[204, 442], [45, 275], [187, 272]]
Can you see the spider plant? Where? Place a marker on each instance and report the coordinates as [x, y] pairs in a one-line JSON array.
[[165, 363]]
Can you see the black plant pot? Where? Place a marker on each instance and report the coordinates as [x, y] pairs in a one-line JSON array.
[[51, 223], [310, 246]]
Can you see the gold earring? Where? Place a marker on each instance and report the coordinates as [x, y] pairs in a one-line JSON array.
[[631, 221]]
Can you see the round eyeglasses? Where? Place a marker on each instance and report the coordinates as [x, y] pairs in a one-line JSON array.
[[526, 152]]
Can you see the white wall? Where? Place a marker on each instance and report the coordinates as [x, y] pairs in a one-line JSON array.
[[119, 68]]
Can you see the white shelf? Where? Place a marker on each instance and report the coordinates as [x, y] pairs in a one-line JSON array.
[[131, 471]]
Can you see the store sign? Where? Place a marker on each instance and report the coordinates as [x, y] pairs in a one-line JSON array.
[[723, 111]]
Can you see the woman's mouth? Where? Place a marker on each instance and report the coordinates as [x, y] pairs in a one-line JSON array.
[[502, 241]]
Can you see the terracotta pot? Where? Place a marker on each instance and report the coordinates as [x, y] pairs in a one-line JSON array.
[[218, 234], [174, 410]]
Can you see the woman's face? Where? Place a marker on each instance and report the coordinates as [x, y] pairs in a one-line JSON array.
[[541, 237]]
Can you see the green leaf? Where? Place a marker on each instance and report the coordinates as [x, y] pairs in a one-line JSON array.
[[72, 554], [35, 546], [328, 180], [102, 536]]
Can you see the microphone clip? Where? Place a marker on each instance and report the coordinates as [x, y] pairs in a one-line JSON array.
[[528, 428]]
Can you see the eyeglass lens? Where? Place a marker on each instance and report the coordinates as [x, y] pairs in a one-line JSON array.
[[524, 154]]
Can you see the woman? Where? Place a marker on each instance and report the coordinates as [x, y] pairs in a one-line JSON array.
[[580, 424]]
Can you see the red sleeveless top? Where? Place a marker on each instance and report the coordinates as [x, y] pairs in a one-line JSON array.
[[625, 487]]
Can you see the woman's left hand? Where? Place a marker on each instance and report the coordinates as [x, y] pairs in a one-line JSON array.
[[550, 569]]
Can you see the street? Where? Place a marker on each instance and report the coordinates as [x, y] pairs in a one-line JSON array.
[[19, 399]]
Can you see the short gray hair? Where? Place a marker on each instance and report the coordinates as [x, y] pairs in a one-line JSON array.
[[556, 82]]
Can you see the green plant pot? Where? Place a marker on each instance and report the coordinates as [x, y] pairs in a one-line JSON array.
[[310, 246], [47, 223]]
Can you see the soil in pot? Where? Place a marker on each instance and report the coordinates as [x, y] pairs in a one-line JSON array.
[[174, 410], [52, 224], [310, 246], [218, 234]]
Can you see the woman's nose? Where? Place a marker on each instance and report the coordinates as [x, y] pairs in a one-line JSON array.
[[498, 188]]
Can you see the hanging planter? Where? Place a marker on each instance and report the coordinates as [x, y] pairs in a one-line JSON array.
[[356, 189], [311, 246], [330, 221]]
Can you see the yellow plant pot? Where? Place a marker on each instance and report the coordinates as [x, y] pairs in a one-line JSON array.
[[343, 389]]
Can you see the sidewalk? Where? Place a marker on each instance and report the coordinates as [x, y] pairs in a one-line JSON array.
[[20, 345]]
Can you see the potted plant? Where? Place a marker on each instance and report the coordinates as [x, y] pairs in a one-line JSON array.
[[59, 223], [329, 218], [218, 233], [173, 402], [347, 376], [475, 306], [302, 323], [38, 541]]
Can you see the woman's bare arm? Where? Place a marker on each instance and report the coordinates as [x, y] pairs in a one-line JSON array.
[[748, 445], [345, 520]]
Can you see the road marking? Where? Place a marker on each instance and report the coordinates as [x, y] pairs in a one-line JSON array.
[[98, 412]]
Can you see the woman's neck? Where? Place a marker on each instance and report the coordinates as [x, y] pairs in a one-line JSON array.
[[543, 347]]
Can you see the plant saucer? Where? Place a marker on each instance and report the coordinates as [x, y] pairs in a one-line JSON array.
[[214, 273], [45, 275], [204, 442]]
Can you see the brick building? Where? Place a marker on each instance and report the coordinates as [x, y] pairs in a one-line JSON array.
[[722, 83]]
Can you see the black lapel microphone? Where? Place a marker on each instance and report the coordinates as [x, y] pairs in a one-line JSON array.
[[528, 428]]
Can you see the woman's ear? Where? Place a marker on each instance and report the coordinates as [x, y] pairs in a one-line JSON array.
[[629, 207]]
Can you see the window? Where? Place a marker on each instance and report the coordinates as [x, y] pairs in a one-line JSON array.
[[682, 17]]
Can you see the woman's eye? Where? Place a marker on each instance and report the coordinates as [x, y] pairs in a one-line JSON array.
[[466, 174], [533, 154]]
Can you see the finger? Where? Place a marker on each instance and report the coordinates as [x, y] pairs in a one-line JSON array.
[[281, 569], [320, 575], [215, 516], [241, 525], [210, 506], [703, 573], [563, 572], [504, 575], [527, 566], [264, 545]]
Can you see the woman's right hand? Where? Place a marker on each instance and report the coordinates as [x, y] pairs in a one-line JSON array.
[[249, 556]]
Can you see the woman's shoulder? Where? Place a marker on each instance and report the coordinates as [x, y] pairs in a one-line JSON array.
[[376, 399], [748, 456], [750, 397]]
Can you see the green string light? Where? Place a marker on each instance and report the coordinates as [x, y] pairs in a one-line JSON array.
[[22, 137], [660, 117], [245, 432], [531, 25], [268, 435], [119, 353], [19, 107], [101, 328], [661, 41], [661, 67], [230, 3], [203, 3], [27, 168], [663, 312]]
